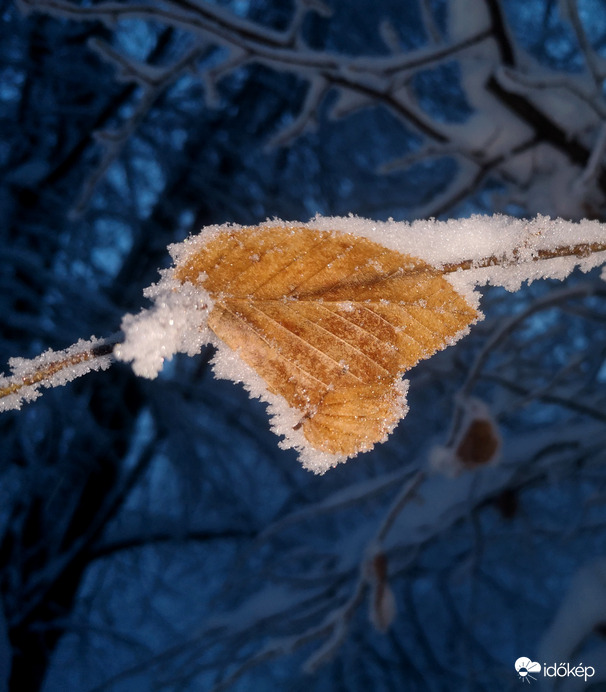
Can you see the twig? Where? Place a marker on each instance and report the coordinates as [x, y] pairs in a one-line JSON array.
[[54, 368], [581, 251], [510, 325]]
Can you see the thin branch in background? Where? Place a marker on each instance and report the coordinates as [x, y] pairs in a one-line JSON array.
[[553, 299], [592, 60], [154, 82]]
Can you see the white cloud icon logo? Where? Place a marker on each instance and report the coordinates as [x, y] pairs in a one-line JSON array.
[[524, 667]]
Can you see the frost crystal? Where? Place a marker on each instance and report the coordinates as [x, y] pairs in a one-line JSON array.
[[52, 369], [175, 324]]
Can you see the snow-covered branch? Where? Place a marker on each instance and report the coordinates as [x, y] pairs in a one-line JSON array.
[[194, 305], [519, 110], [53, 369]]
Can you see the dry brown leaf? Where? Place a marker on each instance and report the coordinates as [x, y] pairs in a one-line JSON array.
[[474, 441], [479, 444], [329, 320]]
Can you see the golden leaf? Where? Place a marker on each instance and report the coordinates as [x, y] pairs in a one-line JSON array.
[[329, 320]]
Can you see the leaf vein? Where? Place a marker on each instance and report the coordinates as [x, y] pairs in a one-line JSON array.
[[260, 334], [301, 339]]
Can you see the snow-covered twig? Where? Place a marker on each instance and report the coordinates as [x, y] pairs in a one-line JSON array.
[[53, 369], [371, 79], [508, 113], [154, 81]]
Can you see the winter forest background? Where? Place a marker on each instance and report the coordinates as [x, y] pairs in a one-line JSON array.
[[153, 536]]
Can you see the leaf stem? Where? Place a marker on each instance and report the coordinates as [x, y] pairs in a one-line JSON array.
[[581, 250]]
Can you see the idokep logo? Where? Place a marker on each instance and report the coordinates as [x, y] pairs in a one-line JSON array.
[[528, 670], [565, 670], [525, 667]]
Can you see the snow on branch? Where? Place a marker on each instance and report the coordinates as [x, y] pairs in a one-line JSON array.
[[525, 130], [53, 369], [361, 81]]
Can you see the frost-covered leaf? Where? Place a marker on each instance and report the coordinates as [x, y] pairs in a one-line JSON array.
[[320, 320], [330, 321]]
